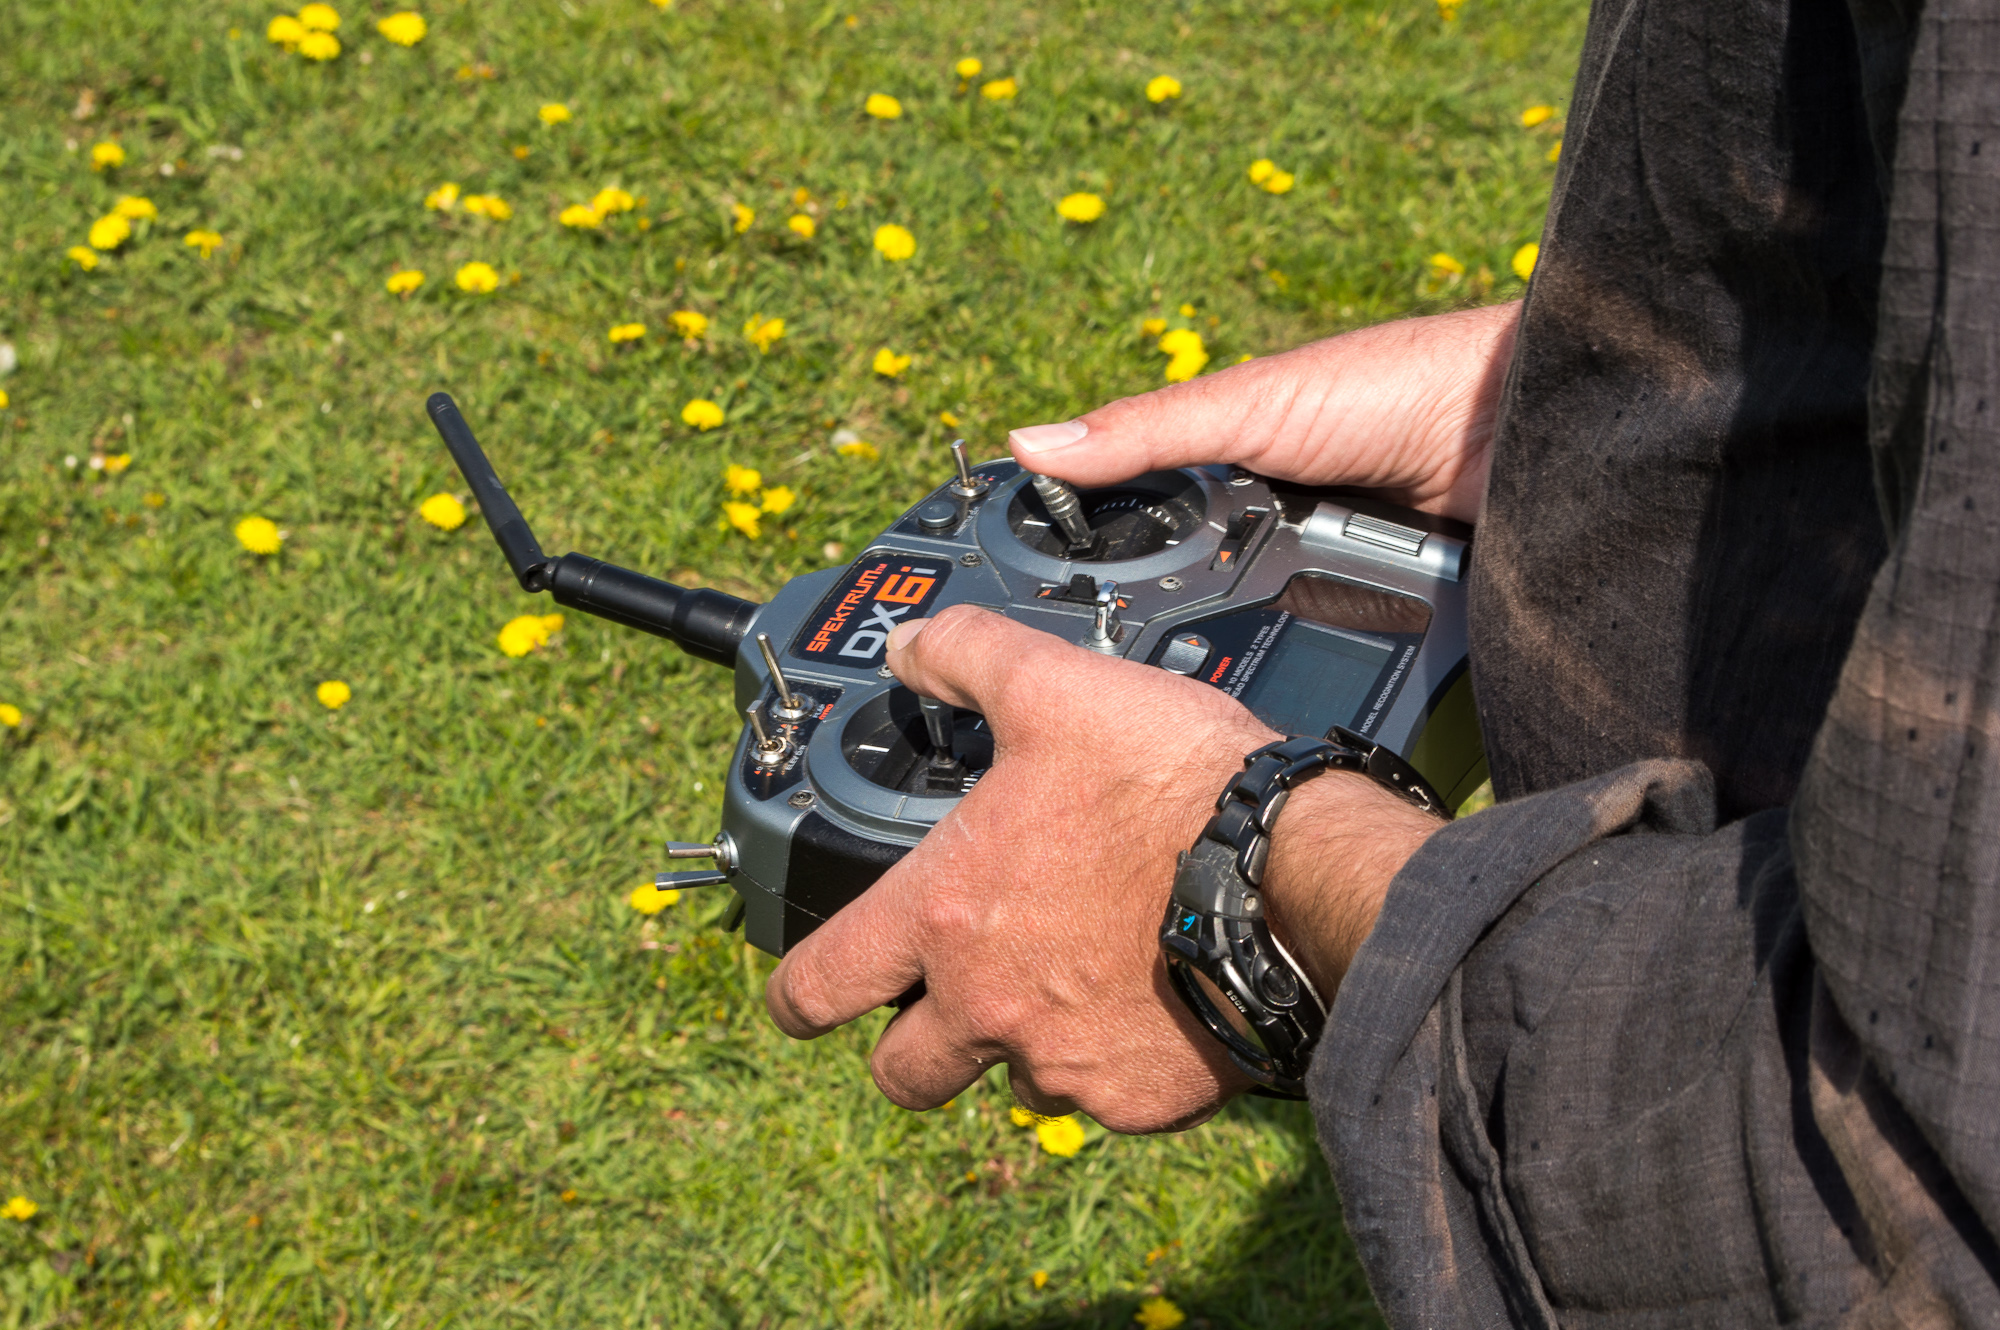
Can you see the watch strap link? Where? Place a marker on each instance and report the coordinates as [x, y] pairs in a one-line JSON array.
[[1215, 926]]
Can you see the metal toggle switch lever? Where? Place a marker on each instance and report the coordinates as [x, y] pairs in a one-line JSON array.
[[967, 486], [722, 851], [790, 705], [768, 748], [1105, 628]]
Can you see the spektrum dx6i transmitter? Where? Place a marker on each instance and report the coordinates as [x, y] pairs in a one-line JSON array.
[[1313, 608]]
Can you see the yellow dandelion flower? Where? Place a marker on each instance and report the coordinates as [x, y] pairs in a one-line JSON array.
[[207, 242], [1060, 1136], [521, 635], [895, 242], [1080, 208], [333, 694], [778, 499], [82, 256], [663, 5], [1021, 1117], [442, 199], [442, 511], [521, 151], [763, 332], [405, 29], [703, 414], [1161, 87], [1186, 353], [999, 90], [744, 215], [1448, 10], [581, 216], [5, 401], [568, 1197], [285, 31], [688, 323], [1278, 182], [19, 1208], [106, 155], [627, 332], [404, 282], [744, 517], [1537, 115], [10, 716], [319, 46], [1555, 150], [1040, 1279], [136, 208], [1153, 327], [948, 420], [649, 899], [858, 448], [742, 479], [889, 365], [612, 199], [969, 68], [882, 106], [320, 17], [1444, 265], [1159, 1314], [553, 113], [1187, 310], [802, 225], [478, 278], [1261, 169], [116, 464], [489, 206], [1523, 262], [109, 231], [259, 535]]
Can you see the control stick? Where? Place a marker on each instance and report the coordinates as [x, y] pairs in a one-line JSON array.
[[1066, 509]]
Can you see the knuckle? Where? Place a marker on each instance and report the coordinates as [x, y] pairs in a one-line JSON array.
[[798, 1004]]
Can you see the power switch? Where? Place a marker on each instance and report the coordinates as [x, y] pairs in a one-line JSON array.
[[1186, 653]]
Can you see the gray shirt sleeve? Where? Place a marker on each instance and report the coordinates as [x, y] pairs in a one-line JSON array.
[[1606, 1062]]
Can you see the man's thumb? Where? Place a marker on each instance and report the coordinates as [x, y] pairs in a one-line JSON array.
[[967, 656]]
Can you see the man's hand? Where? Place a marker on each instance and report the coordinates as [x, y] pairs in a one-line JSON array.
[[1032, 912], [1405, 408]]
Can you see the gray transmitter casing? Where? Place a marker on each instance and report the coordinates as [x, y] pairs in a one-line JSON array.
[[1314, 607]]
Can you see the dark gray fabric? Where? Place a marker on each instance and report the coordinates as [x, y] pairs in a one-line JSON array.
[[1701, 1024]]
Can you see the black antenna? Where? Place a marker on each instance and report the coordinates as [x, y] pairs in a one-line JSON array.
[[704, 623], [517, 542]]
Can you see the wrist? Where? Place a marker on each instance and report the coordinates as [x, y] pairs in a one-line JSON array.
[[1338, 846]]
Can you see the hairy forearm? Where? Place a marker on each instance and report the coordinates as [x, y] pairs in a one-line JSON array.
[[1338, 844]]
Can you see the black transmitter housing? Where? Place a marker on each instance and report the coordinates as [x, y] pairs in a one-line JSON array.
[[1315, 608]]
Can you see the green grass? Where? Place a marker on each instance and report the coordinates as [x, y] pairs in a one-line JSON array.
[[339, 1019]]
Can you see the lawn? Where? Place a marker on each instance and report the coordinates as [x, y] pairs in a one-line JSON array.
[[340, 1017]]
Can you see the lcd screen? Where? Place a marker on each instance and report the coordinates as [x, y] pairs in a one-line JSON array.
[[1315, 679]]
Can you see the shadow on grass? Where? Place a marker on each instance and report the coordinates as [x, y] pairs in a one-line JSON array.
[[1290, 1261]]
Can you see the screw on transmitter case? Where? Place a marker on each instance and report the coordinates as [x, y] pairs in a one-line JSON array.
[[1314, 609]]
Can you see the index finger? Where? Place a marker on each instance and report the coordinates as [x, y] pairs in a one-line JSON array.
[[863, 958]]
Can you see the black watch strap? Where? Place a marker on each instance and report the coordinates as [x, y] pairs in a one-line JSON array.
[[1218, 944]]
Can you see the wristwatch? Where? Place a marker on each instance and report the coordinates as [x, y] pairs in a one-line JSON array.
[[1237, 978]]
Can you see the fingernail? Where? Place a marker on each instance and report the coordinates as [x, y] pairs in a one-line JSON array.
[[1043, 438], [905, 633]]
